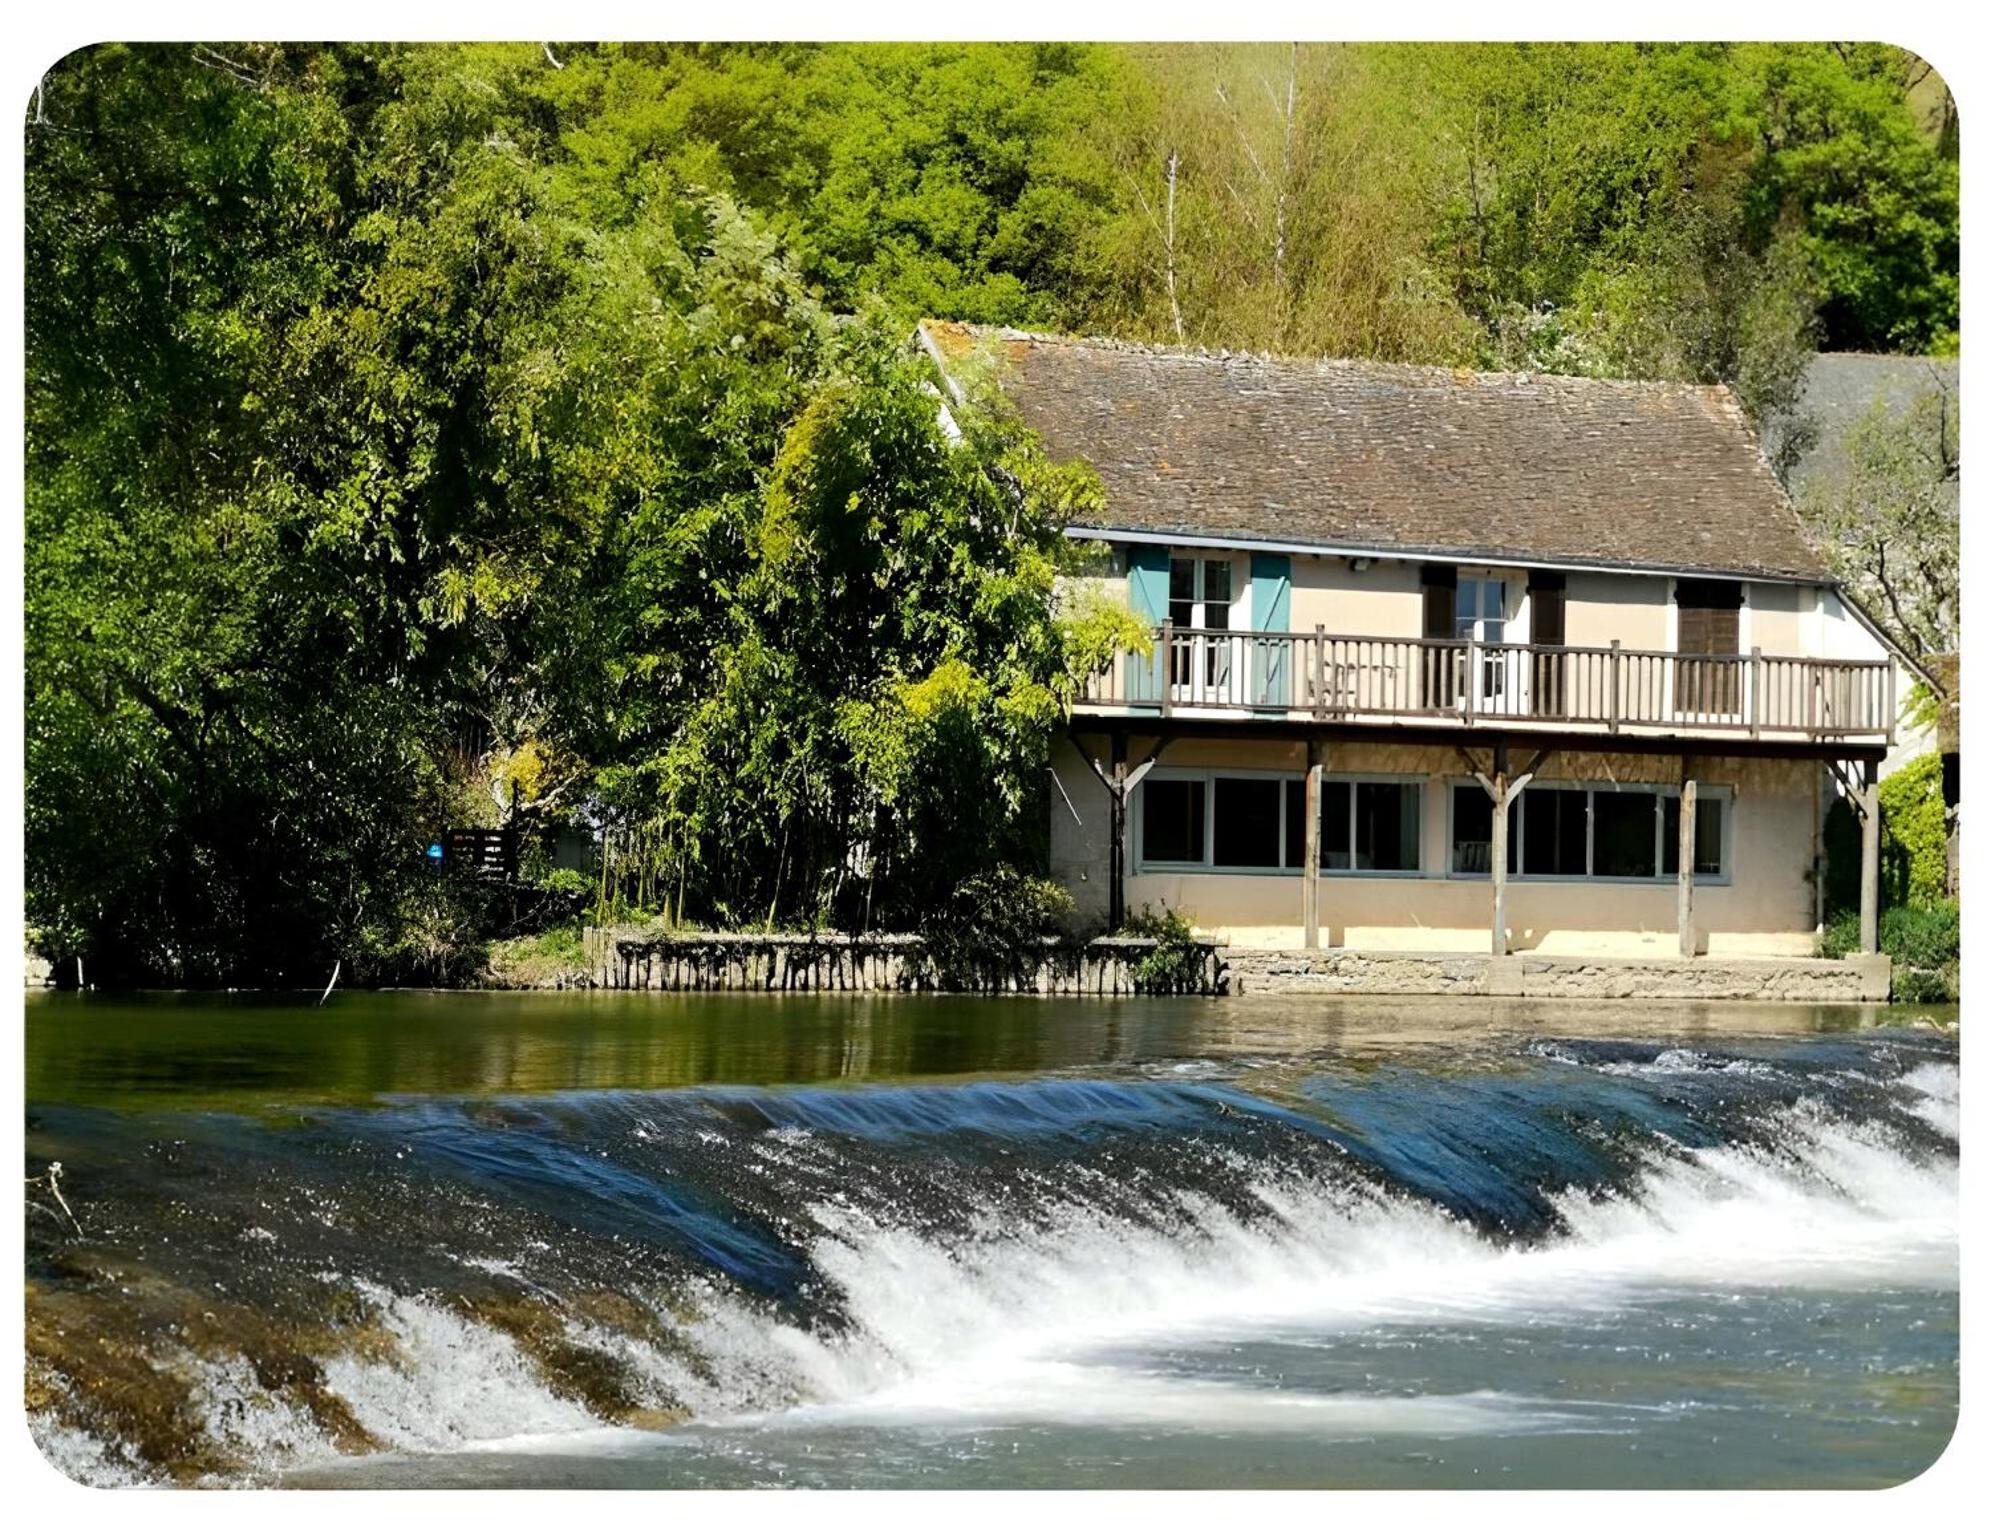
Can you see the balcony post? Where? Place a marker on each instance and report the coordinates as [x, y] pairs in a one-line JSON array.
[[1755, 692], [1689, 794], [1469, 680], [1499, 865], [1116, 790], [1168, 668], [1310, 880], [1617, 669], [1869, 808], [1320, 671]]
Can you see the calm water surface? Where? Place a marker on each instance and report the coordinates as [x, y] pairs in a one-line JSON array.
[[659, 1240]]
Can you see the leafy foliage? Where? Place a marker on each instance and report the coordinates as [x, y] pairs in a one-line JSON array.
[[422, 435], [992, 929], [1175, 964], [1890, 517]]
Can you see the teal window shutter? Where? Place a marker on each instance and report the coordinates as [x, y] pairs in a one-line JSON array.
[[1147, 597], [1271, 610]]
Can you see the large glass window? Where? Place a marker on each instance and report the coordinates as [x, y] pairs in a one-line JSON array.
[[1555, 831], [1172, 821], [1472, 833], [1708, 822], [1620, 833], [1246, 829], [1258, 822], [1370, 825], [1627, 829]]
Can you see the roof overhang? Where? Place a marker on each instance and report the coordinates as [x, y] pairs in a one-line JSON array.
[[1149, 537]]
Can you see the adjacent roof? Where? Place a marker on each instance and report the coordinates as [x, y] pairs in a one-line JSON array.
[[1405, 460], [1841, 386]]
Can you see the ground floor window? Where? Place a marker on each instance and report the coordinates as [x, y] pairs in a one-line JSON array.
[[1605, 832], [1257, 822], [1370, 825]]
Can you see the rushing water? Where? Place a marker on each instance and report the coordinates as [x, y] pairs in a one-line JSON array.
[[710, 1240]]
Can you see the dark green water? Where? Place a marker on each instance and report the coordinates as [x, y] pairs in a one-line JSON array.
[[707, 1239]]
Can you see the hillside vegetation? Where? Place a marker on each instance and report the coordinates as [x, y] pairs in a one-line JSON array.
[[416, 430]]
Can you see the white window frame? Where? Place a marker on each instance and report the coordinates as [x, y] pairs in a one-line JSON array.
[[1722, 793]]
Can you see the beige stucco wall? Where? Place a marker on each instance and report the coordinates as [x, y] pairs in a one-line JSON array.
[[1765, 909], [1776, 618], [1599, 608], [1386, 599]]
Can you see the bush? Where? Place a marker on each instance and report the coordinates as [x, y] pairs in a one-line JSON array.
[[1916, 986], [1914, 841], [1914, 862], [991, 929], [1925, 938], [1175, 964]]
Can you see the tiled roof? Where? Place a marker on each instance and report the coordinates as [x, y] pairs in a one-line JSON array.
[[1415, 460], [1841, 386]]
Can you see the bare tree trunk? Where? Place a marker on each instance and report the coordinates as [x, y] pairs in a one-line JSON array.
[[1174, 306]]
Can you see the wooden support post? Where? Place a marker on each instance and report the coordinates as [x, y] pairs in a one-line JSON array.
[[1310, 879], [1499, 866], [1869, 805], [1116, 787], [1689, 791]]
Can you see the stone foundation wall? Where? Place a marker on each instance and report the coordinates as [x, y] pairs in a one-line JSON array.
[[651, 959], [1863, 979]]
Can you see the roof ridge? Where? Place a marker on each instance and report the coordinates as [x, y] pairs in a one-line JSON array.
[[1227, 355]]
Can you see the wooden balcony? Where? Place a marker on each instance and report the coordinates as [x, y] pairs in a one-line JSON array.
[[1410, 681]]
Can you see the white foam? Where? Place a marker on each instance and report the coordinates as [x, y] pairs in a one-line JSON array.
[[454, 1382]]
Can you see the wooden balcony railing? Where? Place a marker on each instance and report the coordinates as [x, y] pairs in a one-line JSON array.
[[1603, 689]]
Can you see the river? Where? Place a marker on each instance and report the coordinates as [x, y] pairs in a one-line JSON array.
[[665, 1240]]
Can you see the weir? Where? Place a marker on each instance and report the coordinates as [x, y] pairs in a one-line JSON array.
[[1433, 1269]]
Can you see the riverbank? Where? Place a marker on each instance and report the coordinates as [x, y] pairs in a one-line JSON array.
[[651, 958]]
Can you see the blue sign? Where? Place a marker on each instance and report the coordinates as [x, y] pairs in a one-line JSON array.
[[435, 853]]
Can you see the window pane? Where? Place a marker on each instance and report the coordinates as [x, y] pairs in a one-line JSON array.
[[1172, 820], [1386, 821], [1472, 830], [1217, 582], [1626, 828], [1707, 837], [1245, 829], [1296, 824], [1555, 830], [1182, 578], [1334, 825]]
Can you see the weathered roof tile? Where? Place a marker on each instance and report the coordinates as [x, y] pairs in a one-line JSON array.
[[1422, 460]]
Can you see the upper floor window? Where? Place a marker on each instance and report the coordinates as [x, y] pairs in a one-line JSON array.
[[1200, 590]]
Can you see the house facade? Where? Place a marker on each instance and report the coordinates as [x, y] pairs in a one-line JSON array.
[[1448, 661]]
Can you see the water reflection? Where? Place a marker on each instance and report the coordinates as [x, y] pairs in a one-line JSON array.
[[241, 1051]]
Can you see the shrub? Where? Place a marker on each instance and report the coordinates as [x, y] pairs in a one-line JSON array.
[[1916, 986], [1927, 938], [991, 929], [1175, 964], [1840, 936], [1914, 841], [1915, 833]]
